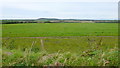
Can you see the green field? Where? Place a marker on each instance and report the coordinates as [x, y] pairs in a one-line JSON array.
[[59, 29], [60, 44]]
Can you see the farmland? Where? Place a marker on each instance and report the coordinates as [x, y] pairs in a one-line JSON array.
[[60, 44], [59, 29]]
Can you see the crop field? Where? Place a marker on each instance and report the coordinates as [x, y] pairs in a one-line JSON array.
[[59, 29], [60, 44]]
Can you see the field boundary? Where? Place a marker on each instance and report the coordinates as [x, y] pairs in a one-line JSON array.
[[61, 37]]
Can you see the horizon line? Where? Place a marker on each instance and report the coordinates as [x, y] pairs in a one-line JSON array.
[[58, 18]]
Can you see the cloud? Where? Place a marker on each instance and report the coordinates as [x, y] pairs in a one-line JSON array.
[[35, 6], [96, 10]]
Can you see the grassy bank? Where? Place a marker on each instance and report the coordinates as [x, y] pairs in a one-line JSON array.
[[80, 51]]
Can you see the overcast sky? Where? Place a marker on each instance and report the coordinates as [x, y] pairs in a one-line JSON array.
[[75, 9]]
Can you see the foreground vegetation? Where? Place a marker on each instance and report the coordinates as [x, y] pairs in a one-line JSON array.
[[59, 29], [67, 51]]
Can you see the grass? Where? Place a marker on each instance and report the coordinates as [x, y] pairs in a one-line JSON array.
[[60, 59], [59, 29], [79, 51], [63, 44]]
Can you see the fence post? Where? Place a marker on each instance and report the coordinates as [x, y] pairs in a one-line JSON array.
[[42, 44]]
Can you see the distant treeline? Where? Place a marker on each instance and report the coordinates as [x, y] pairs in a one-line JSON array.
[[42, 20], [17, 21]]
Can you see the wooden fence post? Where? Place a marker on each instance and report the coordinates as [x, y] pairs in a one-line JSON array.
[[42, 44]]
